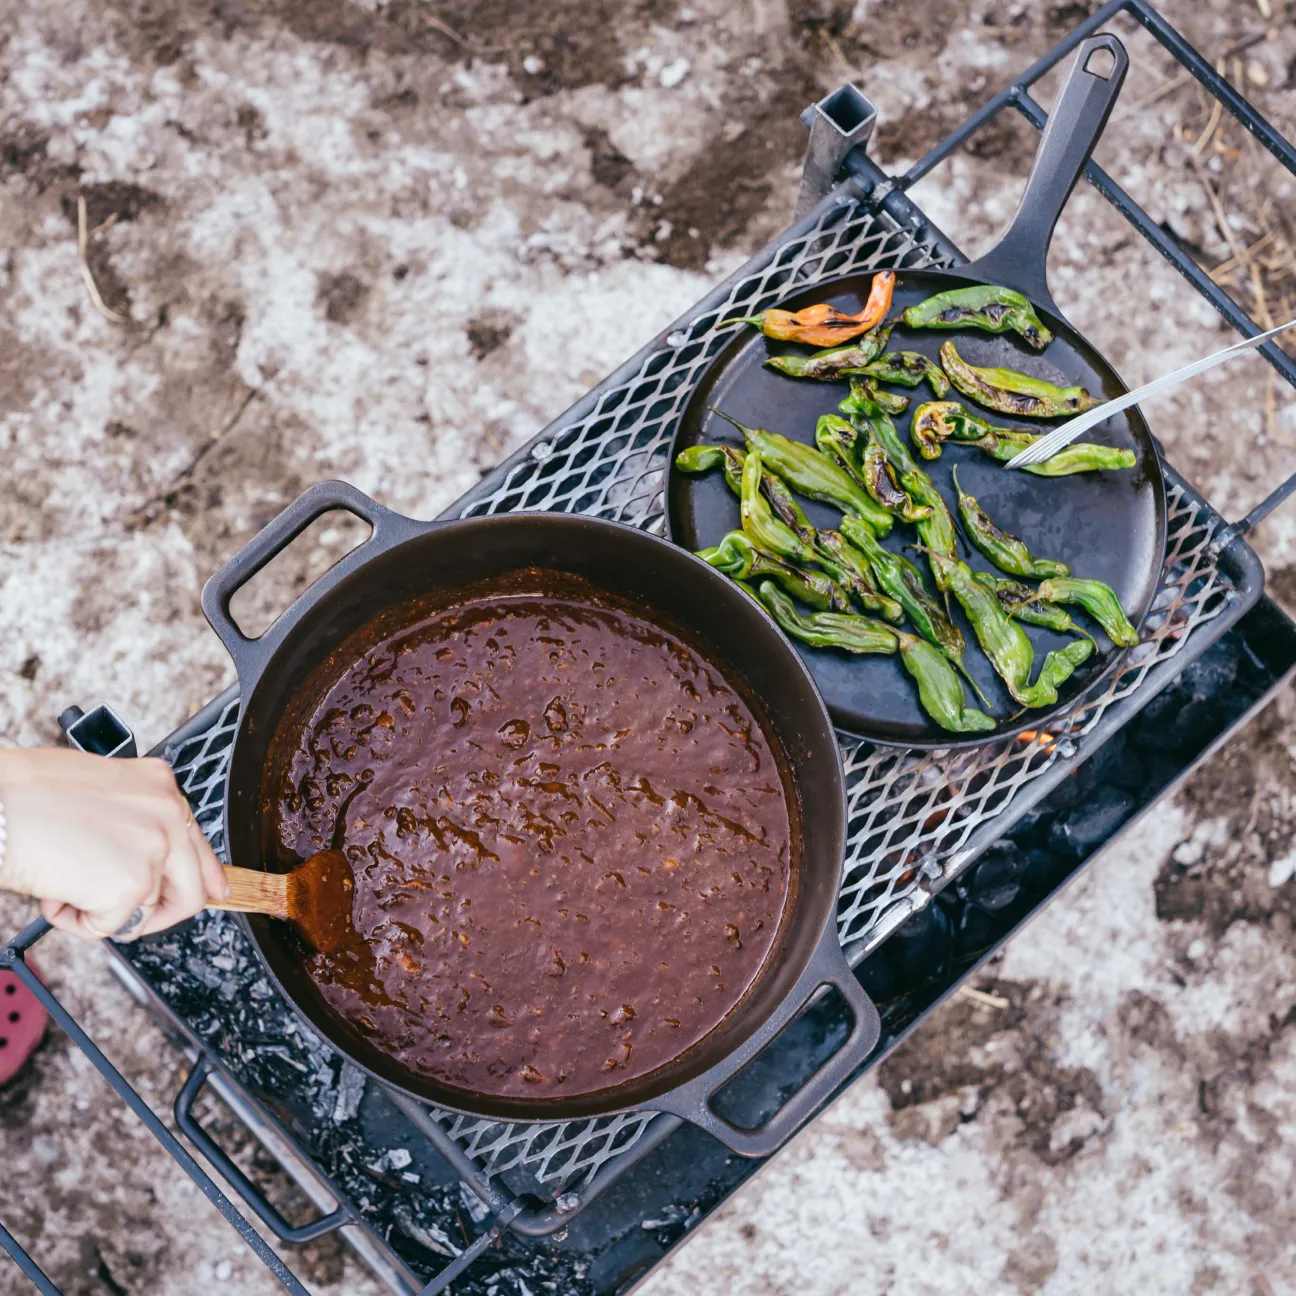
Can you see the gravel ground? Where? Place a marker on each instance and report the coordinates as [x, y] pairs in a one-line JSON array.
[[386, 241]]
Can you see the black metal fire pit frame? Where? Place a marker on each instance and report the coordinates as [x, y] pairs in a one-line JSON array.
[[909, 837]]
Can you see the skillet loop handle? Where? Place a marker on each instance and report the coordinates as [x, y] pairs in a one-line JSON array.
[[271, 541], [1019, 259], [693, 1100]]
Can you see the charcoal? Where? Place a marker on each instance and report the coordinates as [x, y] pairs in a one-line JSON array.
[[1074, 788], [1032, 829], [1106, 764], [997, 879], [979, 930], [1212, 674], [350, 1090], [922, 944], [1082, 829], [1044, 870]]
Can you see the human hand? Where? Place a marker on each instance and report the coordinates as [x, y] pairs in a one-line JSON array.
[[109, 847]]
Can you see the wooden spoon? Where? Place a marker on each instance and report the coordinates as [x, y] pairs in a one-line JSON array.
[[315, 897]]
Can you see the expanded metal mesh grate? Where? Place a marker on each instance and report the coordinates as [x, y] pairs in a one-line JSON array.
[[910, 813], [612, 462]]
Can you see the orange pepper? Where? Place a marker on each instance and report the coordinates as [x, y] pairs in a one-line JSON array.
[[823, 325]]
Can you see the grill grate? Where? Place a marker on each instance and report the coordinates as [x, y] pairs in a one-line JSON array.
[[911, 813], [612, 462]]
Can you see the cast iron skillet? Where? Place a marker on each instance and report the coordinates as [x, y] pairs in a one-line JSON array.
[[404, 559], [1109, 526]]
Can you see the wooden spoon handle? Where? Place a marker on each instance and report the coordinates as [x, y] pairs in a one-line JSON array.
[[255, 892]]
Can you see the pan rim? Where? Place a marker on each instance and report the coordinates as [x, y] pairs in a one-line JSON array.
[[1150, 462]]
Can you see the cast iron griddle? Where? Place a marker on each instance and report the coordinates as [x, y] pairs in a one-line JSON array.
[[1109, 526]]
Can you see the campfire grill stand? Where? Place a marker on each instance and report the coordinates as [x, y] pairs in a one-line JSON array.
[[918, 822]]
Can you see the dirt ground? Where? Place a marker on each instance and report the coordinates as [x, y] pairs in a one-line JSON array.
[[386, 240]]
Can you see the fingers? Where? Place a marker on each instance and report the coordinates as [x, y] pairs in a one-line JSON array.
[[67, 919], [213, 871], [183, 888]]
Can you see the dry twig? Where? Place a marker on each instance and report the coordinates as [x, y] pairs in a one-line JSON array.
[[981, 997], [83, 240]]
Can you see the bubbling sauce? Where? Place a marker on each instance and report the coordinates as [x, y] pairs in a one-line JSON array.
[[571, 840]]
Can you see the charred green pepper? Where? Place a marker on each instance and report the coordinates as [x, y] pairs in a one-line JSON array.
[[1006, 643], [703, 458], [938, 421], [902, 581], [867, 465], [813, 474], [1081, 456], [737, 556], [939, 689], [983, 306], [936, 530], [835, 361], [855, 634], [1098, 600], [1008, 552], [1021, 603], [758, 521], [865, 397], [837, 554], [1010, 392], [908, 368]]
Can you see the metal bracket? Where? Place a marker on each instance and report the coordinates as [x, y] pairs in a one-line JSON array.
[[838, 123], [102, 732]]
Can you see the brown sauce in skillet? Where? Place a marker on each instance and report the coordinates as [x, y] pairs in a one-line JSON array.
[[571, 840]]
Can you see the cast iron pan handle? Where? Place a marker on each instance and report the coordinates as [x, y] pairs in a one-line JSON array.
[[692, 1101], [1019, 259], [252, 1196], [248, 654]]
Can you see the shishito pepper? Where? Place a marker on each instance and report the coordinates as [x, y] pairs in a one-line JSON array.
[[868, 465], [1022, 603], [1098, 600], [1005, 642], [813, 474], [823, 325], [836, 361], [778, 526], [908, 368], [835, 554], [702, 458], [936, 530], [1009, 392], [1008, 552], [758, 521], [855, 634], [983, 306], [900, 579], [939, 689], [737, 556], [939, 421]]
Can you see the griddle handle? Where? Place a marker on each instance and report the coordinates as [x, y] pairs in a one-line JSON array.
[[252, 1196], [1020, 258], [272, 540], [828, 967]]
